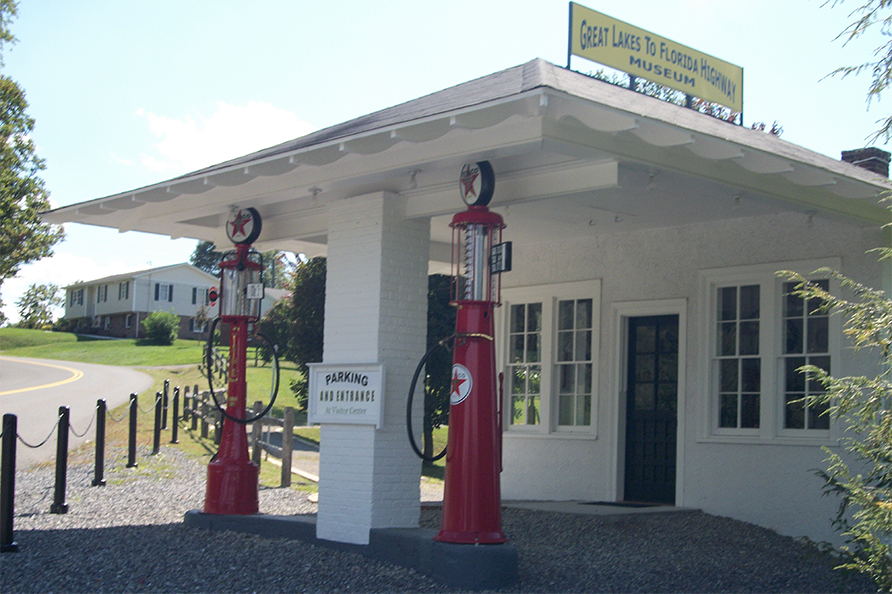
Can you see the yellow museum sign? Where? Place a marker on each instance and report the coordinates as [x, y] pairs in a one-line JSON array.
[[603, 39]]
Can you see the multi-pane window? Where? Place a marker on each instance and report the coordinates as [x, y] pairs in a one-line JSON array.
[[124, 290], [128, 321], [102, 294], [737, 356], [806, 341], [573, 367], [525, 363], [163, 292]]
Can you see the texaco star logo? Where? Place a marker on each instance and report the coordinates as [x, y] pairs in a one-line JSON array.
[[470, 183], [243, 225], [462, 382]]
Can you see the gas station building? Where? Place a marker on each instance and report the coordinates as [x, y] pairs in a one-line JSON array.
[[648, 347]]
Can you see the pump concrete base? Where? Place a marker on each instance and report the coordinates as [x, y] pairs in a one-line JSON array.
[[472, 567]]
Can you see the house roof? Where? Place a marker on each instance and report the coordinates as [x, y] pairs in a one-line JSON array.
[[567, 149], [119, 278]]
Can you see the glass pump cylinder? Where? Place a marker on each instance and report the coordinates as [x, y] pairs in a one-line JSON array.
[[474, 233], [241, 285]]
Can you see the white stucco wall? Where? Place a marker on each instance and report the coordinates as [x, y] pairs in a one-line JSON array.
[[770, 482]]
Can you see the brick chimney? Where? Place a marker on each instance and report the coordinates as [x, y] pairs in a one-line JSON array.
[[872, 159]]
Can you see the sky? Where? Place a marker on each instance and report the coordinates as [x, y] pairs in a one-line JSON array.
[[130, 93]]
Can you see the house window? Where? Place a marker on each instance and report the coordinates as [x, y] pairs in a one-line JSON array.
[[550, 349], [574, 362], [196, 327], [80, 296], [806, 341], [194, 295], [163, 292], [525, 363], [759, 336], [200, 296], [737, 356], [96, 321], [102, 294], [124, 290], [128, 321], [106, 323]]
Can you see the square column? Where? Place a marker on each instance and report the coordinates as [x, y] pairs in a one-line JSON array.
[[375, 312]]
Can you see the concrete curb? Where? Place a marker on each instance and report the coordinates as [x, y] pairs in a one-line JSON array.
[[473, 567]]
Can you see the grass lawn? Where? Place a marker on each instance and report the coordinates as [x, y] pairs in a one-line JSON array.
[[170, 363]]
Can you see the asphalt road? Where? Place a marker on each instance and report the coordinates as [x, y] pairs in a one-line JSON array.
[[34, 389]]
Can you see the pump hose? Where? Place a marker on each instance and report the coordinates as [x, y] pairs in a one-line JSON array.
[[418, 369], [273, 392]]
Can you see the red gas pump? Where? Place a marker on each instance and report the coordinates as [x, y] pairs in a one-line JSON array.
[[232, 486], [472, 512]]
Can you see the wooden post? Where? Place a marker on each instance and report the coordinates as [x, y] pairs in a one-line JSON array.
[[257, 435], [205, 410], [186, 404], [287, 445]]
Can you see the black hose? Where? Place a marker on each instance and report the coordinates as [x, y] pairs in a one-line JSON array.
[[274, 392], [418, 369]]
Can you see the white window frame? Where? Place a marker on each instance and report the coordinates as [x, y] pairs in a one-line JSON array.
[[549, 296], [192, 326], [771, 404], [128, 321], [123, 290]]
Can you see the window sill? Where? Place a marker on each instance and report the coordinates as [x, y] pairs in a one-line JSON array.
[[779, 440], [572, 436]]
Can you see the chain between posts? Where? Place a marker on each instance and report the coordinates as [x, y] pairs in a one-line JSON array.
[[124, 416], [34, 447], [146, 411], [76, 434]]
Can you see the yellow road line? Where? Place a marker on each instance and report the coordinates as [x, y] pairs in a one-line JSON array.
[[75, 375]]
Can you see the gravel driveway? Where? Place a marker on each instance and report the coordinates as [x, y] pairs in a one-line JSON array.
[[129, 537]]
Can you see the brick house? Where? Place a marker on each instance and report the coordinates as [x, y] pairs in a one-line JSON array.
[[116, 305]]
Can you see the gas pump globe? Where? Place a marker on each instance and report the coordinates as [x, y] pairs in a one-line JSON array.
[[472, 493]]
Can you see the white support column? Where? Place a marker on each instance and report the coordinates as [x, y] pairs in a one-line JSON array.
[[375, 312]]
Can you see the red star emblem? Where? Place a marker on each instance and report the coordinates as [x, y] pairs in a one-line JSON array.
[[238, 225], [456, 382], [469, 176]]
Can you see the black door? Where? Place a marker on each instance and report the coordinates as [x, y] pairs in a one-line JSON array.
[[652, 409]]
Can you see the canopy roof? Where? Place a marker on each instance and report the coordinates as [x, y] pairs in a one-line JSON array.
[[572, 155]]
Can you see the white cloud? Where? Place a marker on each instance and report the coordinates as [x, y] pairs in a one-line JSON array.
[[195, 141]]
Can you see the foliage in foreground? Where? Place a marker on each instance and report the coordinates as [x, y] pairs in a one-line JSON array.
[[862, 404]]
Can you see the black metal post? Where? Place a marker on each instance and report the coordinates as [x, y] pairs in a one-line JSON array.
[[131, 441], [176, 413], [59, 506], [164, 411], [185, 404], [156, 434], [7, 484], [99, 471]]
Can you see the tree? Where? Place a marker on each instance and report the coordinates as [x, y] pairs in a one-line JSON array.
[[36, 305], [438, 370], [307, 316], [866, 17], [206, 258], [24, 237]]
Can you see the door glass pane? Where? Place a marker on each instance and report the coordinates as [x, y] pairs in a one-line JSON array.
[[644, 396], [645, 339], [644, 368], [667, 397]]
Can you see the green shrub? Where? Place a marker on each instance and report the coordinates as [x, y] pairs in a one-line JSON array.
[[161, 327]]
